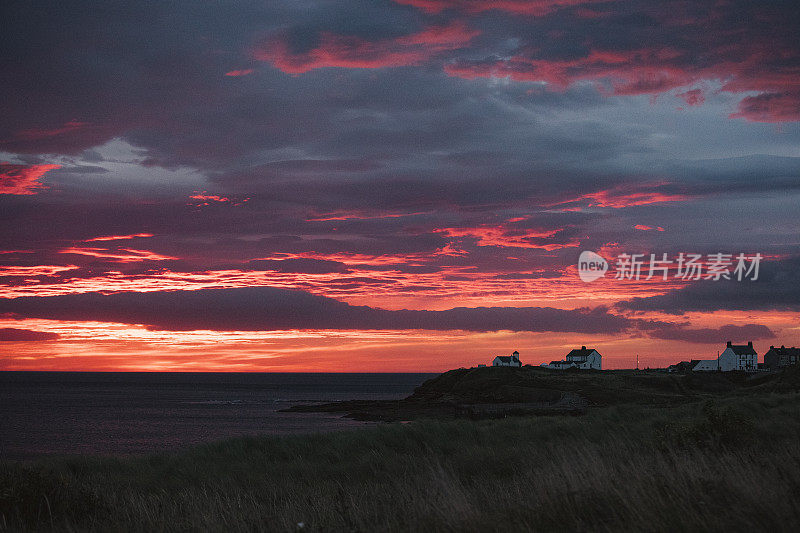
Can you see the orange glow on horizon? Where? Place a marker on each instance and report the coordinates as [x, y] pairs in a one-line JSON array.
[[101, 346], [444, 289]]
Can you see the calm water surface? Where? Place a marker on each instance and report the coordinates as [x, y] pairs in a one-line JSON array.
[[44, 413]]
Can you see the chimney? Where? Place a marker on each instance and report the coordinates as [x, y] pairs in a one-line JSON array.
[[782, 346], [729, 344], [583, 347], [750, 344]]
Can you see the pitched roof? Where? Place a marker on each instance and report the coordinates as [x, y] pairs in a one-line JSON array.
[[783, 350], [507, 358], [583, 351], [706, 363], [742, 349]]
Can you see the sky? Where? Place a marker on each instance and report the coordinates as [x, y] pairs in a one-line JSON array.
[[394, 185]]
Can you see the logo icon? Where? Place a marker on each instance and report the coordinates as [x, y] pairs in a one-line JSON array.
[[591, 266]]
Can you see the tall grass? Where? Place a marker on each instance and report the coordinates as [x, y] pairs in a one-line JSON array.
[[728, 466]]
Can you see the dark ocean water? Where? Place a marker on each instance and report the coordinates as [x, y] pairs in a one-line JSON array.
[[44, 413]]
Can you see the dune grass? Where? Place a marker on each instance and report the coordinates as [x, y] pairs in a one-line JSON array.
[[731, 465]]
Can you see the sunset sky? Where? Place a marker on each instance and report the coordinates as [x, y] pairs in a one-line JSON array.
[[392, 185]]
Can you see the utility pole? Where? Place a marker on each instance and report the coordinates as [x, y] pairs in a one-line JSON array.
[[637, 361]]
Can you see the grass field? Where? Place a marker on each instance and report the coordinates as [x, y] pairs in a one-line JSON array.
[[723, 465]]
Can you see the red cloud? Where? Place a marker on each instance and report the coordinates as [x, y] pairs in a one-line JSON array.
[[643, 71], [22, 179], [236, 73], [210, 197], [746, 63], [123, 255], [518, 7], [119, 237], [509, 237], [355, 52], [206, 199], [624, 196], [616, 199], [32, 271], [647, 228], [657, 70], [770, 107], [693, 97]]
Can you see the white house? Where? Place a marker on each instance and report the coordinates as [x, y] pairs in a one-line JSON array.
[[580, 358], [739, 357], [735, 357], [507, 360]]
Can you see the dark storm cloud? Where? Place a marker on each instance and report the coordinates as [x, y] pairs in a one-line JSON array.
[[115, 65], [778, 288], [265, 308], [300, 265], [651, 47], [76, 74], [368, 142], [744, 174], [153, 74]]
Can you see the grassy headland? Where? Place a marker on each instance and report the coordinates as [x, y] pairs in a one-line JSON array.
[[490, 392], [724, 461]]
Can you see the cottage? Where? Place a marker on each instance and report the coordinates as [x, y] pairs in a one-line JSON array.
[[579, 358], [706, 365], [735, 357], [507, 360], [738, 357], [777, 358], [559, 365]]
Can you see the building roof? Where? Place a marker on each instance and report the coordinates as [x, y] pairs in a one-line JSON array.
[[507, 358], [783, 350], [706, 363], [582, 352], [742, 349]]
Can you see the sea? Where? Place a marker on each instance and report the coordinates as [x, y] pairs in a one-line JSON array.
[[124, 413]]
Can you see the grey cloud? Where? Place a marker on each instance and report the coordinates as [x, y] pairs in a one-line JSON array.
[[265, 308], [729, 332], [778, 288], [25, 335]]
